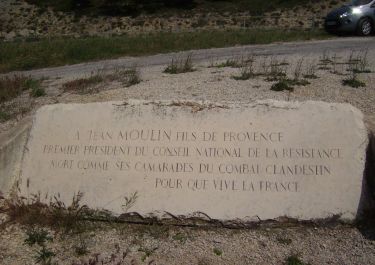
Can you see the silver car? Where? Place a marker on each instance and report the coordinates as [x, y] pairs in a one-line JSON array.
[[356, 17]]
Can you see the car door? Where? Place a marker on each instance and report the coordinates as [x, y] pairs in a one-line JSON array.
[[372, 7]]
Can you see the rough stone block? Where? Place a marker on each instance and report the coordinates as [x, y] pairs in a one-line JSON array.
[[260, 161]]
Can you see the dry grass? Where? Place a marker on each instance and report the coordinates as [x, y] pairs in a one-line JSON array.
[[247, 70], [275, 70], [56, 214], [12, 86], [84, 85], [127, 76], [310, 70], [178, 66]]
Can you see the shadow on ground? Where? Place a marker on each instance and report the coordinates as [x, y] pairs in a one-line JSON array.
[[366, 224]]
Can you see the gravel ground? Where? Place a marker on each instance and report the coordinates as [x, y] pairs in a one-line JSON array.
[[217, 85], [140, 244]]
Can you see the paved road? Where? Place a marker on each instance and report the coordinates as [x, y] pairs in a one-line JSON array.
[[300, 48]]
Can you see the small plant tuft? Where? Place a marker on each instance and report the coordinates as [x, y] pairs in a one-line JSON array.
[[181, 237], [275, 70], [12, 87], [236, 61], [130, 201], [36, 89], [247, 70], [56, 214], [232, 62], [147, 252], [325, 59], [81, 248], [71, 218], [353, 82], [310, 76], [310, 71], [44, 256], [282, 85], [128, 77], [90, 85], [4, 116], [38, 236], [284, 240], [178, 66], [84, 85], [294, 260], [218, 252], [38, 93], [298, 69], [359, 62]]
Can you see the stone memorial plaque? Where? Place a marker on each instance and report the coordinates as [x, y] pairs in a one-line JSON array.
[[263, 160]]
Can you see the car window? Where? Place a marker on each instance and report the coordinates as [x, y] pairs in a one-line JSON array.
[[361, 2]]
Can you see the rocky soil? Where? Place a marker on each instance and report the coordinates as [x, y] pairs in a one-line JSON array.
[[20, 20]]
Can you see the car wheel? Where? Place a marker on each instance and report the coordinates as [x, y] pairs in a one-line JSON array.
[[365, 27]]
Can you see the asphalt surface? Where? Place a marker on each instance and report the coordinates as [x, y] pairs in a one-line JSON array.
[[337, 45]]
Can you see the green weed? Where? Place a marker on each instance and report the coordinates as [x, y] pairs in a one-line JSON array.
[[38, 236], [89, 85], [155, 231], [13, 86], [44, 256], [37, 92], [4, 116], [181, 237], [298, 69], [284, 240], [353, 82], [282, 85], [178, 66], [128, 77], [311, 72], [217, 252], [232, 62], [130, 201], [356, 65], [147, 252], [81, 248], [275, 70], [84, 85], [294, 260], [247, 70]]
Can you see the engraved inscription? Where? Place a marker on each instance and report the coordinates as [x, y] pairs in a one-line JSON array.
[[244, 161]]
